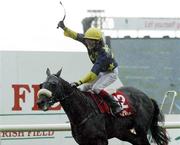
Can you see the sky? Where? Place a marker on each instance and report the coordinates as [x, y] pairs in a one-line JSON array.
[[30, 25]]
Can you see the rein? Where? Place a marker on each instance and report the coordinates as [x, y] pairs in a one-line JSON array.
[[66, 93], [85, 119], [66, 96]]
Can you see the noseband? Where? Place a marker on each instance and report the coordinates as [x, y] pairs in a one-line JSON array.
[[54, 96]]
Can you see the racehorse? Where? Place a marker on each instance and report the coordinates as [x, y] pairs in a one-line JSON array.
[[91, 127]]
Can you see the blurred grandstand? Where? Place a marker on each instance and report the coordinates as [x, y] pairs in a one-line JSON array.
[[147, 50]]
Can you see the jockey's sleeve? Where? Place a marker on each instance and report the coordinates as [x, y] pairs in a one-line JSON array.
[[70, 33], [74, 35], [88, 77]]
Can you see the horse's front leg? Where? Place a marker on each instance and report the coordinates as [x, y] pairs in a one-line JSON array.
[[128, 136], [96, 141], [102, 142]]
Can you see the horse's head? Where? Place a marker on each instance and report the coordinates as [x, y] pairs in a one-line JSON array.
[[49, 91]]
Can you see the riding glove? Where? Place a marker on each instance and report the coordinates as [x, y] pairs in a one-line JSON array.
[[76, 84], [61, 25]]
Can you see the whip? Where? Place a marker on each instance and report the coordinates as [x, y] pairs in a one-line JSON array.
[[64, 13]]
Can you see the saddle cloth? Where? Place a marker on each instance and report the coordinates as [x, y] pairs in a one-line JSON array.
[[119, 96]]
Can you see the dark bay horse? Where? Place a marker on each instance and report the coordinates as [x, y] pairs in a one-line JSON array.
[[91, 127]]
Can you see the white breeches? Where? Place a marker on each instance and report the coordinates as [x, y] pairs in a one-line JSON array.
[[103, 80]]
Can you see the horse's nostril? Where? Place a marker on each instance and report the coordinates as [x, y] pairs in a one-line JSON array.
[[38, 103]]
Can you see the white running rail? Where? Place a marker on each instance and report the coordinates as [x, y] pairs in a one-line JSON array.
[[60, 127], [36, 127], [168, 94]]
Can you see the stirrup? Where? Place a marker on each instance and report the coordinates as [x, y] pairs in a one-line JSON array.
[[111, 112], [116, 112]]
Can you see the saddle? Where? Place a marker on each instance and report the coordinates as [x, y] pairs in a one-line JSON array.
[[103, 106]]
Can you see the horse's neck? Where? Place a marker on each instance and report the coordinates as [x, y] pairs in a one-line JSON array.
[[76, 105], [66, 87]]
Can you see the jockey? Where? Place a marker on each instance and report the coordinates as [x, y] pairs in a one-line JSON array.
[[105, 69]]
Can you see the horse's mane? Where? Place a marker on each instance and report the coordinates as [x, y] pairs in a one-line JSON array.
[[75, 92]]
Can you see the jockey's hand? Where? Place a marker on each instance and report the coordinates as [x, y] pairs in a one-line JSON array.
[[61, 25], [75, 84]]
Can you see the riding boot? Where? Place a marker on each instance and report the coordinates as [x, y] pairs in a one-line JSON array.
[[115, 106]]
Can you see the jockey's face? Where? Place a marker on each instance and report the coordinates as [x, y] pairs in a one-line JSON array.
[[91, 43]]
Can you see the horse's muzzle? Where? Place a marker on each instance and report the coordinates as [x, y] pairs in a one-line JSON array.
[[43, 103]]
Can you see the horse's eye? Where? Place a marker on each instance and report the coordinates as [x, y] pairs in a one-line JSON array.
[[53, 85]]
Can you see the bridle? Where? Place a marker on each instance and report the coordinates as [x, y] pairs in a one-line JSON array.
[[54, 98], [53, 95]]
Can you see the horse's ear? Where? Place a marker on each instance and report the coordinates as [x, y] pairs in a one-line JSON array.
[[48, 72], [59, 73], [40, 85]]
